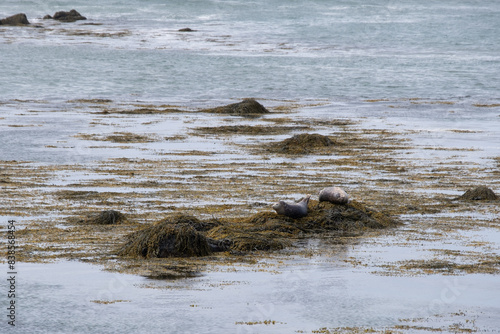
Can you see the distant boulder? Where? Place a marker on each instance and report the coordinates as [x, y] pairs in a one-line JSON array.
[[15, 20], [63, 16], [245, 107]]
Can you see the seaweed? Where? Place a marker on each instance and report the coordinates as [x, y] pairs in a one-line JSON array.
[[184, 235], [480, 193], [304, 143], [106, 217], [173, 236]]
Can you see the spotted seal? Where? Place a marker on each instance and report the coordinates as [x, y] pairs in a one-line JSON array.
[[292, 210], [334, 195]]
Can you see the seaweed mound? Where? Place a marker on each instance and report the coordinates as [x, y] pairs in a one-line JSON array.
[[479, 194], [250, 238], [173, 236], [106, 217], [304, 143], [245, 107], [183, 235], [270, 231]]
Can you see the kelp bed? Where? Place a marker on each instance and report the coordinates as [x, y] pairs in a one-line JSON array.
[[130, 205], [183, 235]]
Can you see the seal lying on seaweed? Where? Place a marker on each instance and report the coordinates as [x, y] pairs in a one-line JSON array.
[[334, 195], [292, 210]]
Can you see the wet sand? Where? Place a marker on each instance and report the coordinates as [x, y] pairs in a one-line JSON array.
[[435, 272]]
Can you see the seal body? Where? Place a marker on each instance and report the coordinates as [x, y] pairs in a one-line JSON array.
[[292, 210], [334, 195]]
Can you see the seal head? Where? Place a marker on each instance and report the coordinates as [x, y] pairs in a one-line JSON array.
[[334, 195], [292, 210]]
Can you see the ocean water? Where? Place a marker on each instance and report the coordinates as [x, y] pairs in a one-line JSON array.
[[338, 53], [279, 49]]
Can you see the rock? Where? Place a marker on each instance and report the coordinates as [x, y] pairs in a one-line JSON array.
[[304, 143], [479, 194], [63, 16], [245, 107], [15, 20], [186, 30]]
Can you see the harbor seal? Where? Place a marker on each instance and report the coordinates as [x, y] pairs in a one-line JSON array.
[[292, 210], [334, 195]]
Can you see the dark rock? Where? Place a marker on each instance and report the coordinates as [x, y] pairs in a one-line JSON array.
[[15, 20], [70, 16], [186, 30], [245, 107]]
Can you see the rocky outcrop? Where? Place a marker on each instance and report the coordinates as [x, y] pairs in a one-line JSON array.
[[63, 16], [15, 20], [245, 107]]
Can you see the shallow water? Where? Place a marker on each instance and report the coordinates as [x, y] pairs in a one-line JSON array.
[[304, 294], [431, 70]]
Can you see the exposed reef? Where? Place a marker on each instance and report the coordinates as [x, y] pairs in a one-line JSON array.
[[64, 16], [15, 20], [245, 107]]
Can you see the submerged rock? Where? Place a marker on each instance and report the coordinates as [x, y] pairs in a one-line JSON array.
[[245, 107], [15, 20], [478, 194], [64, 16]]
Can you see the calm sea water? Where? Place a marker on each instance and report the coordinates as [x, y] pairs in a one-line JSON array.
[[343, 52], [278, 49]]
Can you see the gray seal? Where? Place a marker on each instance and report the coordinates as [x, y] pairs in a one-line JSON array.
[[334, 195], [292, 210]]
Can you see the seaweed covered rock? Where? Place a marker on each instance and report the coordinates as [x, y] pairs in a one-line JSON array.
[[197, 224], [107, 217], [181, 235], [64, 16], [304, 143], [326, 216], [173, 236], [245, 107], [246, 240], [479, 194], [15, 20], [270, 231]]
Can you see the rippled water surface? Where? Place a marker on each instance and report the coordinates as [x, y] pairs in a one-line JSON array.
[[427, 71]]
